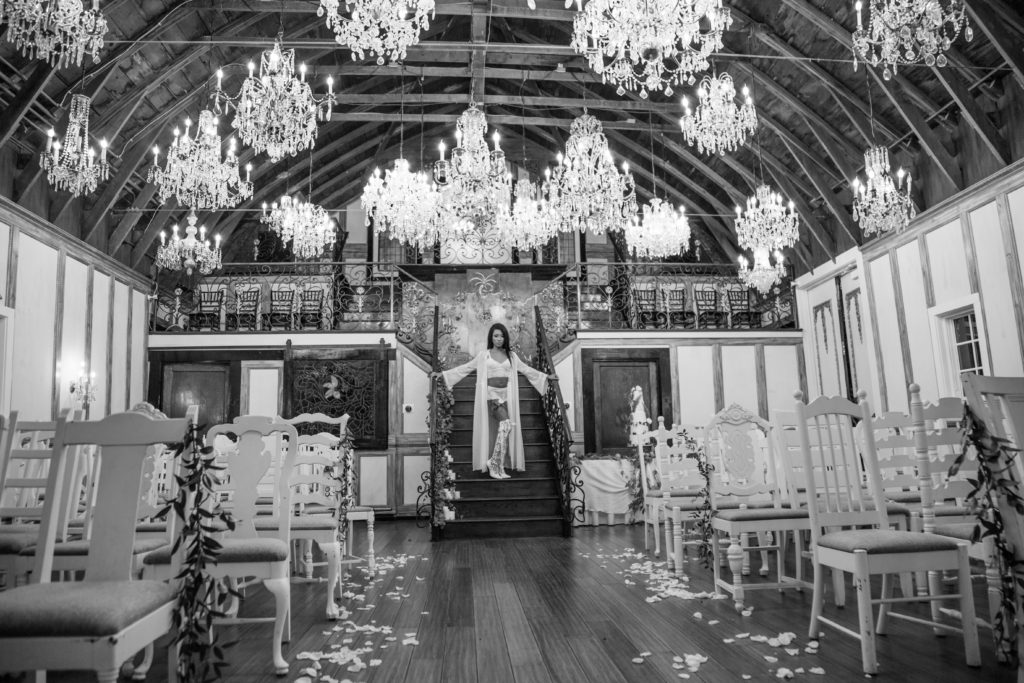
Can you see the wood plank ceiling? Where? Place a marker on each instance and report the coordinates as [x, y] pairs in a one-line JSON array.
[[950, 127]]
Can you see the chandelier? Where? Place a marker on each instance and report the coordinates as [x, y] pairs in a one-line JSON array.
[[277, 111], [405, 205], [718, 125], [651, 46], [663, 232], [586, 191], [882, 204], [73, 166], [766, 222], [474, 184], [305, 224], [385, 28], [764, 275], [194, 171], [529, 224], [60, 32], [908, 32], [189, 252]]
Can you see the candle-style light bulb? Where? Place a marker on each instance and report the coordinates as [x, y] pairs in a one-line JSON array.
[[440, 146]]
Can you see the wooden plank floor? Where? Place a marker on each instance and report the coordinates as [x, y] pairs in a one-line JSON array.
[[552, 609]]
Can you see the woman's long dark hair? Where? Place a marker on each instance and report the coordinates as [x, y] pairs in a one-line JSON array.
[[490, 336]]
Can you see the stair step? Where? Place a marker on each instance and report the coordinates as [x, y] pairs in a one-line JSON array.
[[535, 467], [500, 527], [532, 451], [518, 485], [464, 437], [464, 391], [518, 507], [527, 406], [527, 420]]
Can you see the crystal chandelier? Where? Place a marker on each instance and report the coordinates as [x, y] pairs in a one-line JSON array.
[[766, 222], [385, 28], [276, 112], [718, 125], [586, 191], [305, 224], [189, 252], [663, 232], [651, 46], [60, 32], [73, 166], [764, 275], [529, 224], [908, 32], [474, 184], [882, 204], [404, 204], [194, 171]]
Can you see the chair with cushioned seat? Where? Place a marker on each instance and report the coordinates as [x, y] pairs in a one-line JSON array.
[[839, 509], [100, 622], [245, 552]]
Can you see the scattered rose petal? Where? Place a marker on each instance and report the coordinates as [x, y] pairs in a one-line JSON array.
[[712, 622], [792, 651], [817, 670], [783, 672], [770, 659], [375, 662], [638, 660]]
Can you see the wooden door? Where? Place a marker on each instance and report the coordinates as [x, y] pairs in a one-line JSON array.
[[206, 384]]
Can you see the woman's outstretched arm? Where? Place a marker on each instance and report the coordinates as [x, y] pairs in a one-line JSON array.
[[453, 376]]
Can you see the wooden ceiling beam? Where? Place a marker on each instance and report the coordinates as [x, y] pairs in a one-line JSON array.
[[977, 119], [27, 94], [130, 219], [504, 120], [781, 175], [547, 10], [490, 72], [994, 29], [832, 202], [513, 100]]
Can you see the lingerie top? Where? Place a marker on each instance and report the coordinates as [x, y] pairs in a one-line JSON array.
[[498, 371]]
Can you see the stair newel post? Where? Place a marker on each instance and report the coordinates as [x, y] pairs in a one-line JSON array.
[[436, 447]]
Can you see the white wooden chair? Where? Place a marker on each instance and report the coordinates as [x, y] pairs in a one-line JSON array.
[[244, 553], [681, 491], [838, 505], [100, 622], [746, 500]]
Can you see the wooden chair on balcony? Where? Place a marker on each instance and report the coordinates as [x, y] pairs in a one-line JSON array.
[[740, 312], [247, 308], [311, 313], [208, 315], [679, 315], [648, 315], [708, 313], [282, 309]]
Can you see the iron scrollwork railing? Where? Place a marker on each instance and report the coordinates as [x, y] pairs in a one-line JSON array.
[[570, 483], [434, 495]]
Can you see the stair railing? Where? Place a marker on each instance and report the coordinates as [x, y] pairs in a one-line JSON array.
[[570, 484], [434, 499]]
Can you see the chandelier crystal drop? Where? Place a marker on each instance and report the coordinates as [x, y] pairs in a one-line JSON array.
[[649, 46], [190, 252], [306, 225], [529, 225], [882, 203], [72, 165], [474, 183], [276, 111], [718, 125], [766, 222], [60, 32], [663, 232], [405, 205], [908, 32], [765, 273], [585, 191], [385, 28], [194, 171]]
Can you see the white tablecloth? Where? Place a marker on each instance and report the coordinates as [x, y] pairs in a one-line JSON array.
[[606, 491]]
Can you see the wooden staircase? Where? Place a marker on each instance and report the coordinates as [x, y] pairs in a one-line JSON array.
[[529, 503]]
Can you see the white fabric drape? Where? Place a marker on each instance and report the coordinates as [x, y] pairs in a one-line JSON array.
[[481, 418]]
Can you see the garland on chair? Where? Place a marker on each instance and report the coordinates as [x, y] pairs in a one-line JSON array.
[[344, 474], [995, 479], [201, 598]]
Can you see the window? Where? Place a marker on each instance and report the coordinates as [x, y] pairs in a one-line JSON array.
[[967, 344]]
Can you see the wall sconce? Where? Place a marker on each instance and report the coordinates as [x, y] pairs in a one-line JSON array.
[[83, 389]]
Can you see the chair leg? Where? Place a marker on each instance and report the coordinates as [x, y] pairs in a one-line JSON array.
[[883, 608], [745, 544], [142, 668], [669, 553], [862, 580], [935, 591], [839, 587], [968, 622], [736, 555], [332, 551], [657, 531], [677, 538], [716, 565], [764, 538], [818, 597], [107, 675], [307, 557], [371, 561], [281, 589]]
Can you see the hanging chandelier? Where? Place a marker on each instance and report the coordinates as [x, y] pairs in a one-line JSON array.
[[764, 274], [194, 171], [72, 166], [60, 32], [908, 32], [586, 191], [718, 125], [306, 225], [650, 46], [189, 253], [404, 204], [474, 184], [276, 112], [881, 203], [529, 224], [664, 231], [766, 222], [385, 28]]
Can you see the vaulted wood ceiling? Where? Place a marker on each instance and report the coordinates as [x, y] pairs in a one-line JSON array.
[[950, 127]]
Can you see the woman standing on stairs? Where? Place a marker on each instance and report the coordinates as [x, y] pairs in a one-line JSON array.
[[497, 397]]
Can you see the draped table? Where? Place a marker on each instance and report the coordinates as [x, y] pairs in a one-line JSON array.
[[606, 491]]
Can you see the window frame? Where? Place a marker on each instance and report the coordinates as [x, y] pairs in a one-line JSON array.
[[944, 345]]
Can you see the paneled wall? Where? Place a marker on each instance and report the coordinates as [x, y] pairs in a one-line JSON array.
[[960, 257], [66, 304]]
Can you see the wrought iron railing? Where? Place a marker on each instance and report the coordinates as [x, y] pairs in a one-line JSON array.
[[434, 501], [569, 483]]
